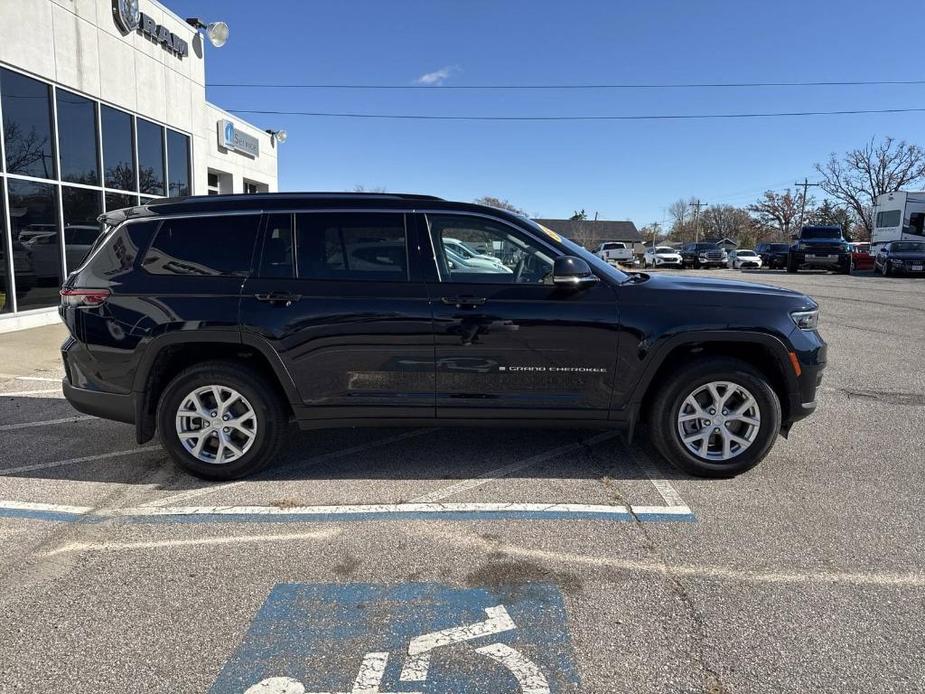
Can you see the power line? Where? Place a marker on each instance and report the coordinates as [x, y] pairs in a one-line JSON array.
[[672, 116], [665, 85]]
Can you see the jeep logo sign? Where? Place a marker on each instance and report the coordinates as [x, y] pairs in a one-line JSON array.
[[231, 138], [130, 18]]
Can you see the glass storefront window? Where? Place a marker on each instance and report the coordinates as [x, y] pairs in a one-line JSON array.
[[81, 209], [27, 125], [6, 300], [118, 149], [150, 157], [178, 164], [34, 232], [77, 140], [116, 201]]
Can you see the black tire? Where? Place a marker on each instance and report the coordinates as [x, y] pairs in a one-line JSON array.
[[272, 420], [792, 264], [886, 269], [663, 416], [844, 268]]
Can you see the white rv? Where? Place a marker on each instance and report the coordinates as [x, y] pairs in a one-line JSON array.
[[899, 215]]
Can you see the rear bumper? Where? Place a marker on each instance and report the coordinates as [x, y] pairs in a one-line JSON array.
[[120, 408]]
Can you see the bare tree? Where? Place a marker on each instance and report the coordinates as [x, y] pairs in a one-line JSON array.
[[499, 203], [779, 212], [725, 221], [859, 176], [579, 215], [682, 220]]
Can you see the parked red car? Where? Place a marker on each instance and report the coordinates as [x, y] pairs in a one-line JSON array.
[[861, 259]]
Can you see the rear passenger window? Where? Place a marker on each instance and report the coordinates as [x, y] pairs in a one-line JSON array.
[[205, 246], [351, 246]]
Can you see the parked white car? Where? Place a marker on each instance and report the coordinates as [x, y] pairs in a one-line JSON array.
[[661, 256], [743, 258], [467, 252], [615, 252]]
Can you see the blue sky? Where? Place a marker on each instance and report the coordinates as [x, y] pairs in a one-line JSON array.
[[623, 170]]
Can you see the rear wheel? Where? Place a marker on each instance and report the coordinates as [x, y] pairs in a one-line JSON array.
[[718, 417], [792, 264], [220, 420]]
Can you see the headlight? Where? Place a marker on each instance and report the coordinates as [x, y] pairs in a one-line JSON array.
[[806, 320], [896, 261]]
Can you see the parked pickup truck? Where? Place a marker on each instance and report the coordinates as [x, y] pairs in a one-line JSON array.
[[615, 252], [820, 247]]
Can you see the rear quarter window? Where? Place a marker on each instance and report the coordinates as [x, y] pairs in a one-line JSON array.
[[203, 246], [115, 252]]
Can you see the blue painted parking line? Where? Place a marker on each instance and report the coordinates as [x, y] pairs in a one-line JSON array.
[[351, 513], [420, 637]]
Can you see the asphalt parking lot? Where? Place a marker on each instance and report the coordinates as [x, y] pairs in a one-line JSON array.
[[487, 561]]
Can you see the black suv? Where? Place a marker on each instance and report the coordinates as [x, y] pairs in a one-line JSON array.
[[215, 321], [703, 254], [820, 247], [773, 255]]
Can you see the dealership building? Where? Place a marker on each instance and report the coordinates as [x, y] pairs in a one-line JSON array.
[[103, 106]]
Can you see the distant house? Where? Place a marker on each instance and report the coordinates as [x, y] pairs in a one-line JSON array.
[[591, 233], [727, 243]]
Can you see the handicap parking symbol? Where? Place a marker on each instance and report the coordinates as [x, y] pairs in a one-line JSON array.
[[417, 638]]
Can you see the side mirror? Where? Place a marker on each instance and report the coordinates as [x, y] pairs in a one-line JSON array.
[[572, 272]]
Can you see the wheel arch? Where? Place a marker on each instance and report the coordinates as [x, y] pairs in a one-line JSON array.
[[766, 353], [167, 355]]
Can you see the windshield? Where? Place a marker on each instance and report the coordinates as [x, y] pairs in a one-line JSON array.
[[908, 247], [778, 247], [820, 233], [745, 252], [665, 249], [706, 247], [573, 248]]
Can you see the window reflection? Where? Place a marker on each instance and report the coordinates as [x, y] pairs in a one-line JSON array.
[[116, 201], [178, 164], [19, 258], [77, 139], [150, 157], [81, 209], [118, 149], [27, 125], [34, 231]]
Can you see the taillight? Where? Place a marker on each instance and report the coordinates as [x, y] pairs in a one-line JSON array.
[[83, 297]]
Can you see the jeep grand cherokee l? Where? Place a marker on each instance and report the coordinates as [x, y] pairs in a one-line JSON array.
[[215, 321]]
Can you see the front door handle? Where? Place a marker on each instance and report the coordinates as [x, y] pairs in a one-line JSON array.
[[463, 301], [278, 298]]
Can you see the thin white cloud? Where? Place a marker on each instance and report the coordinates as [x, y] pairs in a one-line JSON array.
[[437, 77]]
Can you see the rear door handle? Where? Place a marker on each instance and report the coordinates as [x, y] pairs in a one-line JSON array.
[[277, 298], [463, 301]]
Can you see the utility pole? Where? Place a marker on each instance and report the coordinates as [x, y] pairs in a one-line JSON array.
[[697, 205], [805, 185]]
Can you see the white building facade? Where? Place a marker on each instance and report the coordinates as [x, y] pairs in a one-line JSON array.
[[103, 106]]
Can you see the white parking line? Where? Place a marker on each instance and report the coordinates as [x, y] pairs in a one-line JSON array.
[[75, 461], [19, 393], [31, 378], [498, 473], [334, 455], [668, 493], [45, 423], [195, 542]]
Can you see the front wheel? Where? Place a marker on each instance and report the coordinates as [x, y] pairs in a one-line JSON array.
[[718, 417], [221, 420]]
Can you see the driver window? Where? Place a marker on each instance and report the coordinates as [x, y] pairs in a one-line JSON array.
[[472, 249]]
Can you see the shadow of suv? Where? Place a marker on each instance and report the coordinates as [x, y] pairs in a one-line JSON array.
[[215, 321]]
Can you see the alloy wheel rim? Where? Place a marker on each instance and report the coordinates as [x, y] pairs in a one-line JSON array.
[[216, 424], [719, 421]]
